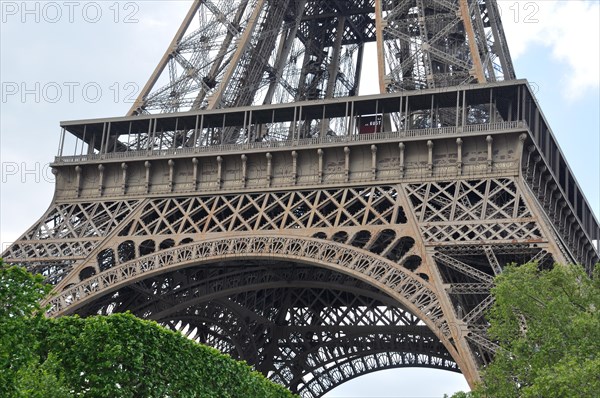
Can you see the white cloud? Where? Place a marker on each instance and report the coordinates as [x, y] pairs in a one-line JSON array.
[[570, 28]]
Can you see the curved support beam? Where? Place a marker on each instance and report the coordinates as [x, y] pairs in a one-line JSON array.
[[354, 367], [328, 364], [410, 290], [406, 347], [174, 307], [325, 360]]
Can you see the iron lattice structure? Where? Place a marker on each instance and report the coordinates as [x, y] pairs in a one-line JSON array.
[[268, 211], [239, 53]]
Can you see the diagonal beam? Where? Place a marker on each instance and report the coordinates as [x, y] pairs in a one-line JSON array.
[[469, 288], [470, 31], [464, 268], [491, 256], [165, 58], [478, 311], [215, 99]]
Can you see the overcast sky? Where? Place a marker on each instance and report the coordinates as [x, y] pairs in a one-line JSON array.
[[79, 60]]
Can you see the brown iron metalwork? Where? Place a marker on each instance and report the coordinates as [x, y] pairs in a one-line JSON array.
[[318, 235]]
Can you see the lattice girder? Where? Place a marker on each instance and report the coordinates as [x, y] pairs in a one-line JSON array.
[[358, 262], [414, 291], [425, 216], [236, 53], [66, 235], [313, 322], [370, 219], [467, 274]]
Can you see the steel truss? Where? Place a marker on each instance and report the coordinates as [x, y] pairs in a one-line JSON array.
[[374, 296], [288, 235], [216, 252], [236, 53], [310, 329], [420, 221]]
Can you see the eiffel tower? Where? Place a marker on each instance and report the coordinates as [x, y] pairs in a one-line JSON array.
[[251, 200]]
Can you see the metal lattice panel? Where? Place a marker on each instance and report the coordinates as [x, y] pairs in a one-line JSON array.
[[443, 43], [473, 210], [268, 211], [401, 282], [67, 234], [236, 53], [468, 271], [308, 328], [317, 240]]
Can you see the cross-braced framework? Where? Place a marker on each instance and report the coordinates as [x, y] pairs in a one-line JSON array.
[[316, 260], [237, 53], [308, 328], [317, 240]]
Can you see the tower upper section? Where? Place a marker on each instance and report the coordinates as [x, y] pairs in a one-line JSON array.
[[249, 52]]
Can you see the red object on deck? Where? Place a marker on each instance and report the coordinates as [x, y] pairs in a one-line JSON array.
[[370, 124]]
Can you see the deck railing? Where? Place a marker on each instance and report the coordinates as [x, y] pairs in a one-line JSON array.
[[324, 140]]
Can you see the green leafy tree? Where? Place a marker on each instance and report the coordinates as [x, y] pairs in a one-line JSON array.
[[20, 320], [123, 356], [40, 380], [547, 323], [107, 356]]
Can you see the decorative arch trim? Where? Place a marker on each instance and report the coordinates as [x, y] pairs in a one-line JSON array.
[[410, 290]]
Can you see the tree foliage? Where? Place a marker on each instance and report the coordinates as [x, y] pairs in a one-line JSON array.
[[547, 323], [20, 318], [108, 356]]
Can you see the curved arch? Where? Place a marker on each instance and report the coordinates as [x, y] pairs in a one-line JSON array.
[[86, 273], [408, 289], [106, 259], [353, 367], [126, 251], [382, 241], [340, 236], [327, 364], [328, 367], [400, 248], [147, 247], [335, 359], [412, 262], [361, 238], [166, 244], [210, 293]]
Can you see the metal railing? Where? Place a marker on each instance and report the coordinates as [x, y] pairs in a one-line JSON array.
[[325, 140]]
